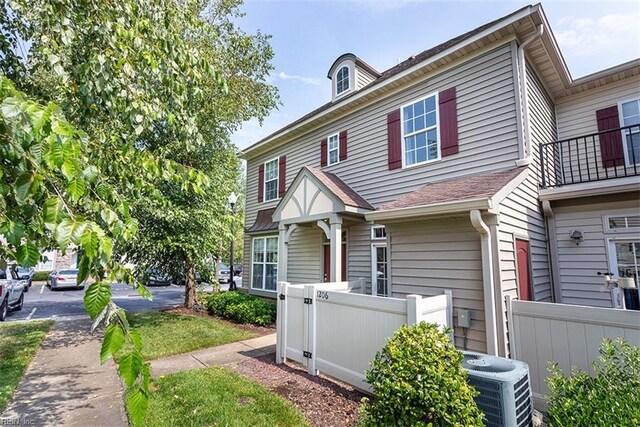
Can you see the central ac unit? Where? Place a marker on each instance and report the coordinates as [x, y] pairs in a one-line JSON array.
[[503, 384]]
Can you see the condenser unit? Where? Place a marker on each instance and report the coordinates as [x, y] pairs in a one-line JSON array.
[[503, 384]]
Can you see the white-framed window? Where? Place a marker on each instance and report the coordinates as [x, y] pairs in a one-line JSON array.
[[622, 223], [629, 116], [264, 263], [420, 133], [378, 232], [271, 180], [333, 145], [342, 80]]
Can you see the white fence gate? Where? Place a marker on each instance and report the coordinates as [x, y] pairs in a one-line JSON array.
[[328, 329], [569, 335]]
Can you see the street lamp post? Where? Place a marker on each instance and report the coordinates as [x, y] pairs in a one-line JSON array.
[[232, 204]]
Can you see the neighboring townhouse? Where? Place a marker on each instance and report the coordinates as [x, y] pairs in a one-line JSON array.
[[442, 173]]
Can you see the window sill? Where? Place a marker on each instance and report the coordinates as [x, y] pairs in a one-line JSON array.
[[421, 163]]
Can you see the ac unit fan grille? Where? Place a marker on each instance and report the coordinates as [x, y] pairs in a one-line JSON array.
[[489, 400], [523, 402]]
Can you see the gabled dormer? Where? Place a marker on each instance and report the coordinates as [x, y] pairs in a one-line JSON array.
[[349, 74]]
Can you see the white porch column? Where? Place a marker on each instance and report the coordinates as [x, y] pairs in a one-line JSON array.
[[283, 252], [336, 248]]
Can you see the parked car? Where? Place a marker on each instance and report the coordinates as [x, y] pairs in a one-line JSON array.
[[155, 277], [11, 293], [223, 273], [26, 274], [180, 280], [64, 278]]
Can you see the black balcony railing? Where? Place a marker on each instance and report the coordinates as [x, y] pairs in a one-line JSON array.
[[604, 155]]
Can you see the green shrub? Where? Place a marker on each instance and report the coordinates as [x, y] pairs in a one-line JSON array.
[[41, 276], [418, 380], [611, 396], [242, 308]]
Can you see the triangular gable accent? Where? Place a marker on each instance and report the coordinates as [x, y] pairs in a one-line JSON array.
[[314, 194]]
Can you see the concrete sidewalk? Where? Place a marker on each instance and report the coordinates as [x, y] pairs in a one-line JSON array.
[[215, 356], [66, 385]]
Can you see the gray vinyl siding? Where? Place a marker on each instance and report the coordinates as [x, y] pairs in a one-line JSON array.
[[363, 78], [576, 114], [579, 264], [359, 253], [305, 256], [487, 138], [429, 257], [521, 215]]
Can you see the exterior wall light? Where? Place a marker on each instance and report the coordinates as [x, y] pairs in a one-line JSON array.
[[577, 236]]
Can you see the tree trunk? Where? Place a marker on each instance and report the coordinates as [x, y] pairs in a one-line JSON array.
[[190, 298]]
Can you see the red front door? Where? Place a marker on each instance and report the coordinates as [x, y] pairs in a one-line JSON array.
[[327, 262], [524, 278]]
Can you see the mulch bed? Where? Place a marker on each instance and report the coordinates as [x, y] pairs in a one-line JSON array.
[[322, 401]]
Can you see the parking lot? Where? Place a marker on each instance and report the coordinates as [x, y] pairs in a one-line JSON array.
[[43, 303]]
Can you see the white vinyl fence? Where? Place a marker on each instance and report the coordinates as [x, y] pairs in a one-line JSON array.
[[569, 335], [328, 328]]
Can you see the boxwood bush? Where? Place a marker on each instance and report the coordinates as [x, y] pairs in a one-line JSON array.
[[41, 276], [418, 380], [610, 397], [242, 308]]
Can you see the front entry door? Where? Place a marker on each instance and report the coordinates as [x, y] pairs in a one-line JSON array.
[[522, 259], [327, 263]]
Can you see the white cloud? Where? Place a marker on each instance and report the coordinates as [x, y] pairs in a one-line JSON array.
[[306, 80], [595, 36]]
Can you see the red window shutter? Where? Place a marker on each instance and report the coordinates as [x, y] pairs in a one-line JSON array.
[[261, 183], [323, 152], [611, 147], [394, 140], [448, 117], [343, 145], [282, 176]]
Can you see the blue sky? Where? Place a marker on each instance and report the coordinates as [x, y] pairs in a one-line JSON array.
[[308, 35]]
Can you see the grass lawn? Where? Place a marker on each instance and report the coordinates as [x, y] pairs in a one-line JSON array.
[[19, 343], [166, 334], [216, 397]]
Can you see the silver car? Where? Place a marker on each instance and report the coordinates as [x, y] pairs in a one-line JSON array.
[[65, 278], [11, 293]]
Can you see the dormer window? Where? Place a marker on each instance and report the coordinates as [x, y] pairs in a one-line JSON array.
[[342, 80]]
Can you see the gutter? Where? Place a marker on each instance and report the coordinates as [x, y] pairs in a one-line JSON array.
[[487, 281], [522, 77]]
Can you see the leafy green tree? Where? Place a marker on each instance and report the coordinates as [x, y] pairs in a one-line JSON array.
[[137, 76], [186, 232]]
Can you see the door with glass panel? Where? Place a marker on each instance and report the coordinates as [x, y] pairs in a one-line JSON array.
[[379, 264]]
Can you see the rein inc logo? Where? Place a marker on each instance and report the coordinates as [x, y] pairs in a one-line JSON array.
[[15, 421]]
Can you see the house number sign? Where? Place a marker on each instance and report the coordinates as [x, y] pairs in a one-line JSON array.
[[322, 294]]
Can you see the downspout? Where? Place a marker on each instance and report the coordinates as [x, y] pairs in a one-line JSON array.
[[522, 77], [552, 254], [487, 281]]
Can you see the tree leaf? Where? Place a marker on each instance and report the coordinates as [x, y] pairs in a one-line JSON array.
[[112, 342], [15, 233], [83, 269], [76, 189], [63, 233], [137, 403], [129, 366], [28, 255], [53, 212], [136, 339], [23, 186], [96, 298]]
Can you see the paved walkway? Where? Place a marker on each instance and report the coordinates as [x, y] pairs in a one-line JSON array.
[[215, 356], [66, 385]]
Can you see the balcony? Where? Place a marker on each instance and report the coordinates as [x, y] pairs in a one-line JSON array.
[[597, 157]]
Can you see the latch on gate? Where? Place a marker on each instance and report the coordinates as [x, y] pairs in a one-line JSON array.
[[308, 301], [306, 354], [281, 296]]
